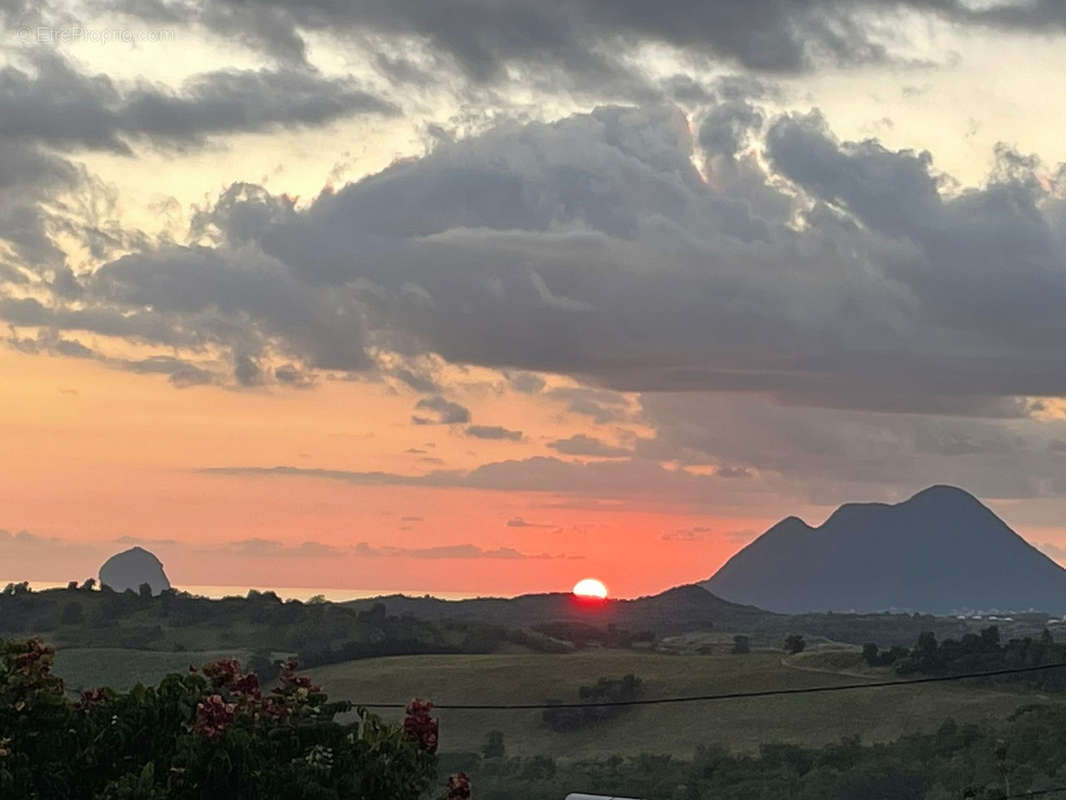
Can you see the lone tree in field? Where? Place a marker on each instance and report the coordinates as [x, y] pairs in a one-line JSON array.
[[494, 746], [741, 645], [794, 644]]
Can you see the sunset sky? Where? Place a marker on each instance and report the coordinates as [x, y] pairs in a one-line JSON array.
[[487, 297]]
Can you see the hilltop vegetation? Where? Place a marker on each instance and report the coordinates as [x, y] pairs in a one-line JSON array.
[[80, 617], [977, 652], [260, 626]]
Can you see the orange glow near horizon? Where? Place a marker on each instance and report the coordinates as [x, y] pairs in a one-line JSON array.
[[96, 459]]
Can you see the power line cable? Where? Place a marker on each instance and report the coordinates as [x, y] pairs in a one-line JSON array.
[[1031, 793], [706, 698]]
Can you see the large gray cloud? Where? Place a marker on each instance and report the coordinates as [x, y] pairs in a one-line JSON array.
[[50, 101], [580, 43], [29, 178], [593, 246], [822, 455]]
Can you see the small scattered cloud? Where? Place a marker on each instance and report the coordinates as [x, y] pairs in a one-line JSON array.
[[519, 522], [417, 381], [742, 536], [294, 376], [271, 548], [526, 382], [582, 445], [732, 472], [697, 533], [493, 432], [146, 541], [601, 404], [453, 551], [246, 371], [444, 411]]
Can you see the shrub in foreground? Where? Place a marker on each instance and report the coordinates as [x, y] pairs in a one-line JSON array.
[[209, 733]]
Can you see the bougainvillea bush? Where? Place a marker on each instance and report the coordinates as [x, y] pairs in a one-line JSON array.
[[210, 733]]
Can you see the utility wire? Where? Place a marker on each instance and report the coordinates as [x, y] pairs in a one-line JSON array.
[[1033, 793], [706, 698]]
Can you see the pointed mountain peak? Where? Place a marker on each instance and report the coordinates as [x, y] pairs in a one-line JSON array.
[[789, 526]]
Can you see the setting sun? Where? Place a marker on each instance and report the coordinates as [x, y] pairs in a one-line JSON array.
[[590, 587]]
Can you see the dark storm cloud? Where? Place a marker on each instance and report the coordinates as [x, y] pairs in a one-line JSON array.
[[575, 40], [50, 101], [493, 432], [848, 276], [582, 45]]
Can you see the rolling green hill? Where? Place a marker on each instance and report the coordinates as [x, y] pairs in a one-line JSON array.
[[875, 715]]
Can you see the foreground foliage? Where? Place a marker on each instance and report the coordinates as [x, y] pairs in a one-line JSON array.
[[205, 734]]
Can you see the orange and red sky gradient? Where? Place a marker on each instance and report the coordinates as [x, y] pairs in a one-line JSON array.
[[369, 297]]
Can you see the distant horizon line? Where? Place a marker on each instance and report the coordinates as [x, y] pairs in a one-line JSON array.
[[303, 593]]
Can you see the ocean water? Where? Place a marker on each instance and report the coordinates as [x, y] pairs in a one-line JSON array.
[[303, 593]]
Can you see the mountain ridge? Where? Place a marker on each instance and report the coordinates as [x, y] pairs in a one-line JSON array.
[[939, 551]]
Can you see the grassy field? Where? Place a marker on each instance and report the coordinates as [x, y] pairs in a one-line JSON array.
[[874, 715], [86, 668], [515, 677]]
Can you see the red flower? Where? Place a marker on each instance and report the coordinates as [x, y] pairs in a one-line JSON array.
[[91, 697], [37, 658], [420, 726], [459, 787], [247, 685], [213, 716], [222, 673]]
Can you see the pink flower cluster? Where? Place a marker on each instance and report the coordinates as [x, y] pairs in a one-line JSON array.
[[420, 726], [214, 715], [28, 670], [458, 787], [90, 697], [228, 675], [238, 694], [37, 659]]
